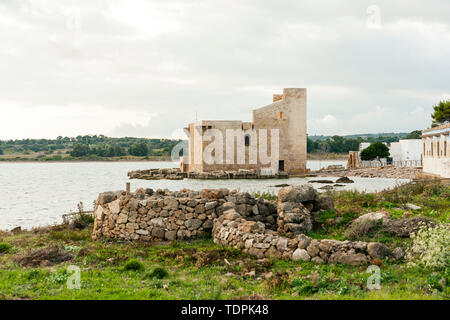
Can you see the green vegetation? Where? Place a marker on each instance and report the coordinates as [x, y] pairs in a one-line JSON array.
[[416, 134], [4, 247], [203, 270], [266, 195], [133, 265], [344, 144], [95, 148], [377, 150], [158, 273], [432, 197], [86, 148], [430, 247], [441, 113]]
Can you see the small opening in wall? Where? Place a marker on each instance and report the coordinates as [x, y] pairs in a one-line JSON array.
[[247, 140], [280, 115], [281, 165]]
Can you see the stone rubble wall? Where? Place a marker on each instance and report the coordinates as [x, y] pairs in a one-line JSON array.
[[235, 219], [232, 230], [164, 215], [176, 174]]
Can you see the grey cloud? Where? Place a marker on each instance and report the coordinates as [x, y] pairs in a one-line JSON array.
[[223, 58]]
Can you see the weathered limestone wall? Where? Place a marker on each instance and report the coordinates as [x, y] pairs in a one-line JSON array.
[[296, 206], [234, 231], [164, 215], [287, 114], [236, 219]]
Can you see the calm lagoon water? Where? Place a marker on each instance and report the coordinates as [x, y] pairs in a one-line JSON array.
[[37, 194]]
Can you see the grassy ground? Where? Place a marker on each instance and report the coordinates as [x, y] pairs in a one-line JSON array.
[[203, 270]]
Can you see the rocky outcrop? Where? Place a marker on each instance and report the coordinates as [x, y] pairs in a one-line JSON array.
[[382, 222], [176, 174], [391, 172]]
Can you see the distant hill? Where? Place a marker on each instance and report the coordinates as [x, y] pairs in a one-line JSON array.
[[397, 135]]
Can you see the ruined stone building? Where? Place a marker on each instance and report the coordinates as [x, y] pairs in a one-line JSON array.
[[274, 140], [436, 150]]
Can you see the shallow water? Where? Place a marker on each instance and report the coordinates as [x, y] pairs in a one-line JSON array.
[[37, 194]]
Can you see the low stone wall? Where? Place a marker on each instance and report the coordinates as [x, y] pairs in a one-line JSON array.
[[236, 219], [234, 231], [176, 174], [164, 215]]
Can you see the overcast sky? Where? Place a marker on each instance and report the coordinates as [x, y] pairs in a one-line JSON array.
[[148, 67]]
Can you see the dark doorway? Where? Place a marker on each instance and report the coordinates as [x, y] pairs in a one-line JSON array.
[[281, 165]]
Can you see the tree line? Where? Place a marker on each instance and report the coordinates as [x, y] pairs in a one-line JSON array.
[[339, 144], [90, 145]]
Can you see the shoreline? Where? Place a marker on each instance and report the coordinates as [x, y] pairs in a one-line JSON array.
[[310, 157], [82, 161]]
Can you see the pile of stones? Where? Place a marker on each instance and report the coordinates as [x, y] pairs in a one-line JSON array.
[[392, 172], [176, 174], [158, 174]]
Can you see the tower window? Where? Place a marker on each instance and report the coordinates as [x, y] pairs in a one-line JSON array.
[[247, 140], [280, 115]]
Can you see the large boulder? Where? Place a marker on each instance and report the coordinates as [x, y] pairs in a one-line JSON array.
[[106, 197], [373, 216], [301, 254], [366, 223], [377, 250], [353, 259], [324, 202], [404, 227], [297, 193]]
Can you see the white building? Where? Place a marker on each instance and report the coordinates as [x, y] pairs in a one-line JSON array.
[[406, 152], [363, 145], [436, 150]]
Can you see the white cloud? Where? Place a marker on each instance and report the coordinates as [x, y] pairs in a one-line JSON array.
[[328, 120], [162, 62], [73, 120]]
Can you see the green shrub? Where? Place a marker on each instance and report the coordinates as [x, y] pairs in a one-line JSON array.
[[158, 273], [266, 196], [5, 247], [133, 265], [84, 218], [32, 274], [430, 247], [70, 235]]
